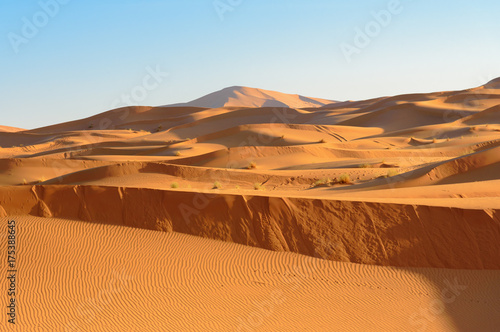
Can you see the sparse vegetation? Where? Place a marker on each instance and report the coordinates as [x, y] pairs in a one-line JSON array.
[[467, 152], [159, 128], [323, 182], [319, 183], [174, 185], [91, 126], [282, 137], [252, 165], [217, 185], [345, 179], [178, 153], [365, 166], [434, 140], [237, 187], [391, 172], [258, 186], [322, 140], [24, 181]]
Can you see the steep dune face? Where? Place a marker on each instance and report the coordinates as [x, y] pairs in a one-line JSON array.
[[361, 232], [251, 97]]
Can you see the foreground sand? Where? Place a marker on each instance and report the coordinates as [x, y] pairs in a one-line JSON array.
[[78, 276]]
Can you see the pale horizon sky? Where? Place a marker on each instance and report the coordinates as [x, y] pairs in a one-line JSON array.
[[63, 60]]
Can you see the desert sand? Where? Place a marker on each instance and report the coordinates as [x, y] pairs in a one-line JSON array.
[[253, 210]]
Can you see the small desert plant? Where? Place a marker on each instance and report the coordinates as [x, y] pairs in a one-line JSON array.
[[174, 185], [319, 183], [282, 136], [391, 172], [237, 187], [21, 145], [258, 186], [322, 182], [345, 178], [24, 181], [365, 166], [178, 153], [217, 185], [322, 140], [467, 152], [434, 140], [91, 126], [159, 128], [252, 165]]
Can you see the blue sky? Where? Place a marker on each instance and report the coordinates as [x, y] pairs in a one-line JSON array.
[[83, 56]]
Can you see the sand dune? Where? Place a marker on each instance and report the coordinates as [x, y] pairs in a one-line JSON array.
[[251, 97], [138, 280], [382, 194], [382, 234], [10, 129]]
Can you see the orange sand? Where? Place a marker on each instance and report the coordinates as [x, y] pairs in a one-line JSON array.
[[365, 209]]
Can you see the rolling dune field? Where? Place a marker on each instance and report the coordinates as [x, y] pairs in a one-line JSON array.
[[254, 210]]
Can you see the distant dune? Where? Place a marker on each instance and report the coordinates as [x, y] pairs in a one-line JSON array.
[[10, 129], [251, 97], [383, 205]]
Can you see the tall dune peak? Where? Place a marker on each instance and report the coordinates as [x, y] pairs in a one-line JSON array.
[[253, 97]]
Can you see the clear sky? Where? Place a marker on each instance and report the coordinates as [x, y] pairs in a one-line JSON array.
[[62, 60]]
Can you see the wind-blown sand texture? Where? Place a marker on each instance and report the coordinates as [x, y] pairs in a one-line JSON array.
[[92, 277], [370, 212]]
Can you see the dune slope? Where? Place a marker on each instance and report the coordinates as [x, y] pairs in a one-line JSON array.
[[138, 280]]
